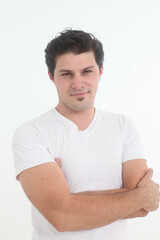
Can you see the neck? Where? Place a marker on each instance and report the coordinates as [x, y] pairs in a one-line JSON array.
[[81, 118]]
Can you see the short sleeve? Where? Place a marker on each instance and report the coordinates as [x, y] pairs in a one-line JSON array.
[[133, 148], [29, 148]]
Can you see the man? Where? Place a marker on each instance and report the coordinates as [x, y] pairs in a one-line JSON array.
[[101, 178]]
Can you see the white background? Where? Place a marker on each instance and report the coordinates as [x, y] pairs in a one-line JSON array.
[[130, 32]]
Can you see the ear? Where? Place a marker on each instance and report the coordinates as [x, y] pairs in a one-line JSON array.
[[100, 72], [51, 76]]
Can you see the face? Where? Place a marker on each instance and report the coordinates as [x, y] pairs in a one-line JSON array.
[[76, 78]]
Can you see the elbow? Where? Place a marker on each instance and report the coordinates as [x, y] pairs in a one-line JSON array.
[[59, 223], [59, 228], [59, 217], [64, 226], [142, 213]]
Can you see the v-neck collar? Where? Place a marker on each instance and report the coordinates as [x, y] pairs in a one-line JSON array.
[[72, 124]]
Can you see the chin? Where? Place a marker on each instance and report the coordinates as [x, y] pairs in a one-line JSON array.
[[80, 107]]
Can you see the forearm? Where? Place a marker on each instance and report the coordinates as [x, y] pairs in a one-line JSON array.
[[139, 213], [91, 211], [103, 192]]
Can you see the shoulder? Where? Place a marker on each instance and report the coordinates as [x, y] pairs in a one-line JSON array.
[[30, 143], [111, 117], [36, 125], [114, 117], [116, 122]]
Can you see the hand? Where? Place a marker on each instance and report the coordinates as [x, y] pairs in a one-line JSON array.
[[151, 191], [58, 161]]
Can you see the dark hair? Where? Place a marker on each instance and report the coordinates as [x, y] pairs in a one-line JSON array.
[[74, 41]]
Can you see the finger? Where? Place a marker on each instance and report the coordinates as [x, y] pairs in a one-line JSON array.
[[149, 173], [58, 161]]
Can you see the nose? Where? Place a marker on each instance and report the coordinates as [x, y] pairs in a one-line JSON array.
[[77, 82]]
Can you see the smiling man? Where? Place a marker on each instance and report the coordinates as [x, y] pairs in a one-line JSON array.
[[82, 168], [78, 81], [76, 78]]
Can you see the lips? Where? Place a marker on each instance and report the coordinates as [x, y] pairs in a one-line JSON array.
[[79, 94]]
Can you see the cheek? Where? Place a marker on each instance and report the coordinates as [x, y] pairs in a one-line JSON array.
[[62, 88], [94, 83]]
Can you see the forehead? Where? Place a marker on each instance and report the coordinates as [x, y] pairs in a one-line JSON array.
[[72, 61]]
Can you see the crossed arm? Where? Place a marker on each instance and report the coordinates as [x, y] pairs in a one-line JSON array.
[[46, 187], [132, 173]]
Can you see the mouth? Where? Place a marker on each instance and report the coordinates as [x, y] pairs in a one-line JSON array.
[[79, 94]]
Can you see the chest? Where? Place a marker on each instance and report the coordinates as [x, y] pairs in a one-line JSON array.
[[91, 161]]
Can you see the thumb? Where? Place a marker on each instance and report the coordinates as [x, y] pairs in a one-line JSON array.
[[149, 173]]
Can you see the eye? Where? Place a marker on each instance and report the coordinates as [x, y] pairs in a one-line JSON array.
[[66, 74], [87, 71]]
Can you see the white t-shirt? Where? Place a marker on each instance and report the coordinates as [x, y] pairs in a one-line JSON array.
[[91, 161]]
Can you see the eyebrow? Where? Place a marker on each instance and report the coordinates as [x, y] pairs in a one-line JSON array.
[[67, 70]]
